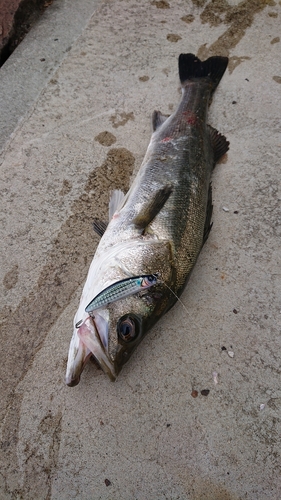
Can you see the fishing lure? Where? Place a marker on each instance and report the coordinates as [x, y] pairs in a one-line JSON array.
[[120, 290]]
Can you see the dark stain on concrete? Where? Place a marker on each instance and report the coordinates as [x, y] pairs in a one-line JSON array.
[[275, 40], [121, 119], [105, 138], [38, 466], [238, 18], [161, 4], [188, 19], [144, 78], [173, 38], [11, 277], [66, 187], [234, 61], [23, 330], [277, 79]]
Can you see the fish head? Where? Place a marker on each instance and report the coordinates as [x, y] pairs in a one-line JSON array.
[[111, 333]]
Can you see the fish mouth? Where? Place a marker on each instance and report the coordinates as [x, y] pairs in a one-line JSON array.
[[87, 342], [88, 334]]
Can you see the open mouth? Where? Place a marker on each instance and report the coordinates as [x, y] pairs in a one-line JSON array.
[[95, 339]]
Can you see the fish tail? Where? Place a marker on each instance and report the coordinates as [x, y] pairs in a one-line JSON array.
[[191, 68]]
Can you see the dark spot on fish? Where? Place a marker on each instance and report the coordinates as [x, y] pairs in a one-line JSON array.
[[121, 119], [275, 40], [107, 482], [223, 348], [235, 311], [161, 4], [194, 393], [143, 78], [205, 392], [105, 138], [237, 18], [277, 79], [66, 187], [11, 277], [173, 38], [188, 19]]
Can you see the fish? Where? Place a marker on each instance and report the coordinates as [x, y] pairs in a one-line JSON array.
[[157, 228]]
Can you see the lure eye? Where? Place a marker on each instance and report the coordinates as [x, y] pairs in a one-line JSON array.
[[126, 329], [149, 280]]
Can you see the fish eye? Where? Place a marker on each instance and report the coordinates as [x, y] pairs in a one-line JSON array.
[[127, 329]]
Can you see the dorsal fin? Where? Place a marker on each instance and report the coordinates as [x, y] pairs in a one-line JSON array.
[[158, 119], [219, 143], [115, 202]]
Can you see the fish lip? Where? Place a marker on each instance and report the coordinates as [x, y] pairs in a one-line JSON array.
[[89, 336], [72, 377]]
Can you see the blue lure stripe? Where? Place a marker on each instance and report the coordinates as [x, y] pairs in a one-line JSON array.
[[120, 290]]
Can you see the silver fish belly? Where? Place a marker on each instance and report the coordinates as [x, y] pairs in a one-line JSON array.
[[158, 228]]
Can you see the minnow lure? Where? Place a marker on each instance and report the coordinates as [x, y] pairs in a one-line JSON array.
[[120, 290]]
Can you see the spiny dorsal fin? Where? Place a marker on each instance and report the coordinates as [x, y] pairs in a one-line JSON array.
[[115, 202], [152, 207], [219, 143], [158, 119]]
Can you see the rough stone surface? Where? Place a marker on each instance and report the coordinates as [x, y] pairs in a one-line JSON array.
[[185, 420]]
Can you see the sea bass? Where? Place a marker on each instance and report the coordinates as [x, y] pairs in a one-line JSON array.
[[157, 229]]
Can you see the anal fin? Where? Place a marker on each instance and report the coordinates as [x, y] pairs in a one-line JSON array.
[[219, 143], [152, 207]]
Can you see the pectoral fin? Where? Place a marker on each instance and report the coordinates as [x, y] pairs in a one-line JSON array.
[[115, 202], [158, 119], [152, 207], [99, 227]]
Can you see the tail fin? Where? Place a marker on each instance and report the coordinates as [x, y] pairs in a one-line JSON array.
[[190, 68]]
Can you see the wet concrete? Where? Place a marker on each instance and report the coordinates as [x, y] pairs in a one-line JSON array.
[[157, 432]]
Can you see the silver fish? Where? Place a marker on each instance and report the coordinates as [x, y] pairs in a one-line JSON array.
[[157, 228]]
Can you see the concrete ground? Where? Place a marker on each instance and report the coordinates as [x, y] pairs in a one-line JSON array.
[[75, 125]]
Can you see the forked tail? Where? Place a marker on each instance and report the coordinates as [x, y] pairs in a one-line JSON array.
[[191, 68]]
